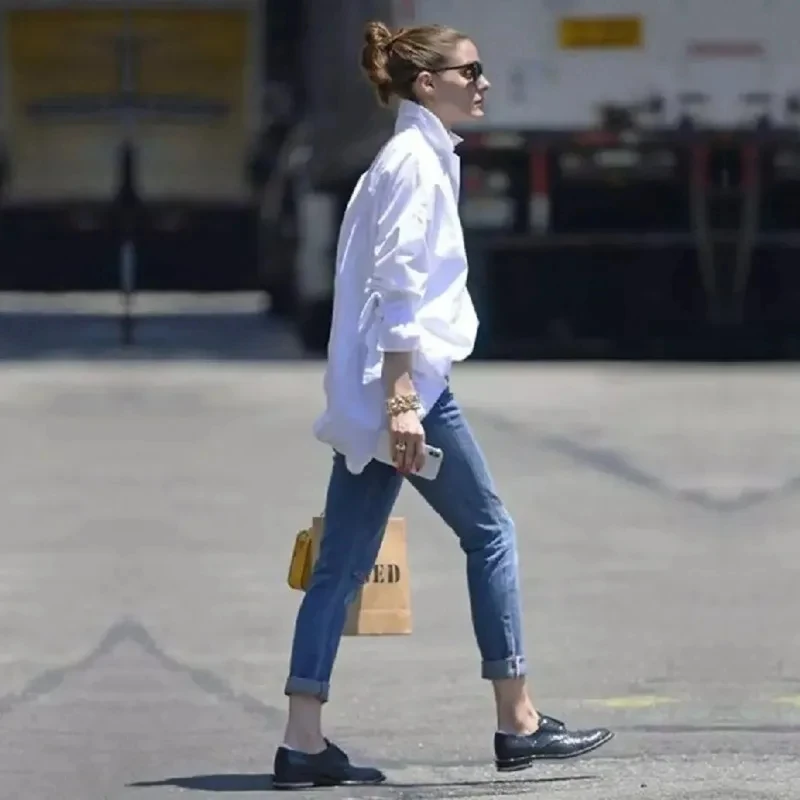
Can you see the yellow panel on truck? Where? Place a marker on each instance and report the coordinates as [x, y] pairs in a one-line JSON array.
[[58, 64], [193, 67], [176, 80]]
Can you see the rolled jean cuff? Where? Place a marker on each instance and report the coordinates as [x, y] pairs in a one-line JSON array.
[[308, 687], [514, 667]]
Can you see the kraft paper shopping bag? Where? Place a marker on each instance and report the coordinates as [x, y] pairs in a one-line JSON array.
[[382, 607]]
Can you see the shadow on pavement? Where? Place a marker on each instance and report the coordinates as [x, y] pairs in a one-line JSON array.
[[245, 336], [213, 783], [263, 783], [234, 326]]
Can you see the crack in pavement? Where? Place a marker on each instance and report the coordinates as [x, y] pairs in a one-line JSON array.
[[131, 630], [618, 465]]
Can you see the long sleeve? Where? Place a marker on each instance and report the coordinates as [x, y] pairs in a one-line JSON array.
[[401, 258]]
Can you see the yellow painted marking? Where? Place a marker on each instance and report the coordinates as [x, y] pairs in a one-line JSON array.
[[633, 701], [788, 700]]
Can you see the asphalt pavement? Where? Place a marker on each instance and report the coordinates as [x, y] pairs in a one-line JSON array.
[[149, 509]]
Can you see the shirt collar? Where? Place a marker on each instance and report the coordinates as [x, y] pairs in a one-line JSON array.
[[415, 115]]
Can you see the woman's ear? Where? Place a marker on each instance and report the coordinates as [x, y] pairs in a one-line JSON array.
[[423, 85]]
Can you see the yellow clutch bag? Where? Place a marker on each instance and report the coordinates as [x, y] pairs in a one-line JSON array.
[[302, 562]]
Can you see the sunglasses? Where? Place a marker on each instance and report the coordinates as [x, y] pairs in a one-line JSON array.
[[473, 70]]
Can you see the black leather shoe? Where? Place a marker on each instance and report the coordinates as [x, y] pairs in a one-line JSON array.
[[331, 767], [547, 723], [551, 740]]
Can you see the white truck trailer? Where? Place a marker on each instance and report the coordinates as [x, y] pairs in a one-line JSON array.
[[636, 176]]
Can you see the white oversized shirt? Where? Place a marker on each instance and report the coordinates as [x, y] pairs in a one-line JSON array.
[[400, 283]]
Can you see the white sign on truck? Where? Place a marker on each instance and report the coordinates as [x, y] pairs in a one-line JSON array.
[[552, 63]]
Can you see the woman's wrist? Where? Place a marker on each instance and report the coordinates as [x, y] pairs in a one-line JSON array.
[[402, 403], [397, 369]]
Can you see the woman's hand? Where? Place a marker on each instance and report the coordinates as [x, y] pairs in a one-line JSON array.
[[407, 441], [406, 435]]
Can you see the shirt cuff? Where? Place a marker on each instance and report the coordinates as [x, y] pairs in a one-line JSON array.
[[399, 331]]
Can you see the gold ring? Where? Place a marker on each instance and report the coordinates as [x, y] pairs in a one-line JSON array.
[[400, 446]]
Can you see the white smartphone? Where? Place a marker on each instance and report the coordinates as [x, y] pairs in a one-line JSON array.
[[433, 457]]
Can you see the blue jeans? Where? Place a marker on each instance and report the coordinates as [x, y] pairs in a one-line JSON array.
[[356, 512]]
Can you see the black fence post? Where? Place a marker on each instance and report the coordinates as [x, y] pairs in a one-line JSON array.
[[127, 203]]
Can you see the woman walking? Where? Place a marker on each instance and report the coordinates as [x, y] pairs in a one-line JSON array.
[[402, 316]]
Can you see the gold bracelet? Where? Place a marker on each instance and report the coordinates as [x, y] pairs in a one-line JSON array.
[[401, 403]]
